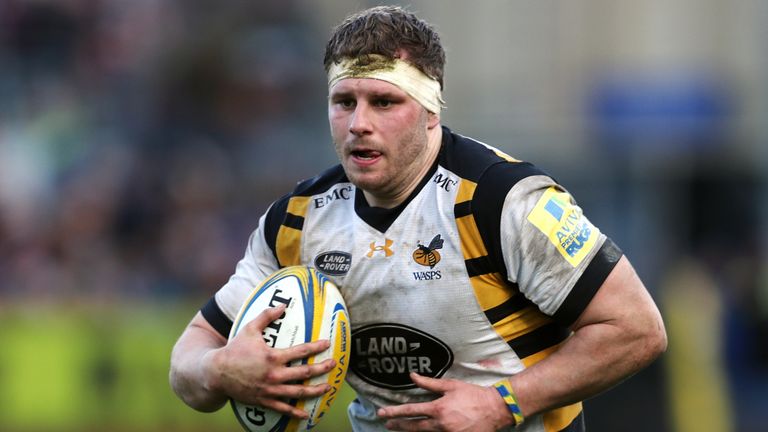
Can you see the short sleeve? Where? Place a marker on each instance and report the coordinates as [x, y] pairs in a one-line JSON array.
[[551, 250]]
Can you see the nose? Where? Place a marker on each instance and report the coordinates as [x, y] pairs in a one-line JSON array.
[[360, 122]]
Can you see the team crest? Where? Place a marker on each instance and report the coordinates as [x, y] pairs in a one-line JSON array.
[[428, 256]]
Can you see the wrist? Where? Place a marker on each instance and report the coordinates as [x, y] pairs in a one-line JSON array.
[[499, 409], [506, 395]]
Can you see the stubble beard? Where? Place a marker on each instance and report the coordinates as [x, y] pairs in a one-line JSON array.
[[403, 162]]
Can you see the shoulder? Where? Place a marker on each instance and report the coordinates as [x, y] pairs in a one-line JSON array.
[[290, 209], [479, 162], [493, 172], [491, 175], [321, 182], [307, 188]]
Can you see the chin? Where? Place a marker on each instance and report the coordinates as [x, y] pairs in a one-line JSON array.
[[367, 183], [364, 184]]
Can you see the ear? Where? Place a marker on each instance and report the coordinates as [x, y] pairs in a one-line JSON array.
[[433, 120]]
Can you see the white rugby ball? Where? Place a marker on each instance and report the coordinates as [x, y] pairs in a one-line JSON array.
[[314, 310]]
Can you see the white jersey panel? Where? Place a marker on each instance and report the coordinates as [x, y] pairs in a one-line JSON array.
[[395, 278]]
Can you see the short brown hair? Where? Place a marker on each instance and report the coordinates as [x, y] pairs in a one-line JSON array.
[[386, 30]]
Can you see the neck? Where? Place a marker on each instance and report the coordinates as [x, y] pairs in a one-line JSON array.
[[434, 141]]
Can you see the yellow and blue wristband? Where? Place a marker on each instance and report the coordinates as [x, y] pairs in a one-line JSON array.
[[505, 390]]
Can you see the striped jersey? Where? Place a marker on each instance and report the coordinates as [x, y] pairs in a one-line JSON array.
[[475, 277]]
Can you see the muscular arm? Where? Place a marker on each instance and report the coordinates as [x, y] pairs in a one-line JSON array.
[[191, 364], [206, 370], [619, 333]]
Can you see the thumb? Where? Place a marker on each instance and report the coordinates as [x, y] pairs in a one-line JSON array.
[[432, 384]]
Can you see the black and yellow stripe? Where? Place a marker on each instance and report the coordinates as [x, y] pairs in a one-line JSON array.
[[530, 333], [288, 242], [519, 322], [284, 222]]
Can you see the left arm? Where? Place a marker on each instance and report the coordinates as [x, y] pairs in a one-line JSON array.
[[619, 333]]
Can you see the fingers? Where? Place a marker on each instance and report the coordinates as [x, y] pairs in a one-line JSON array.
[[281, 393], [287, 355], [304, 350], [269, 377], [295, 391], [304, 372], [262, 320], [432, 384], [275, 396], [424, 409], [282, 407], [418, 409]]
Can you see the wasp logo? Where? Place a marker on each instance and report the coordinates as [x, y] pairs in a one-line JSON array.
[[386, 248], [428, 255]]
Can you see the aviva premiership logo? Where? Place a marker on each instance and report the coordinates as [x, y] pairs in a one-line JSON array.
[[564, 224]]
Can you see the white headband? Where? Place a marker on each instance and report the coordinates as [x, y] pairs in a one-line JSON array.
[[417, 84]]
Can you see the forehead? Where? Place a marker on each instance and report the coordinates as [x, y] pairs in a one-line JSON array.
[[366, 86]]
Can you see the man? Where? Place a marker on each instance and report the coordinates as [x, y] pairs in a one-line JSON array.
[[481, 297]]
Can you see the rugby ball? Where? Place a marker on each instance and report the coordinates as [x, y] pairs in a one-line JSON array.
[[314, 310]]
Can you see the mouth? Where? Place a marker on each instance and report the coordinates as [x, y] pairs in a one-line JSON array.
[[365, 154]]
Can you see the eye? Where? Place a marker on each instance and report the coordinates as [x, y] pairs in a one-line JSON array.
[[343, 101], [382, 103]]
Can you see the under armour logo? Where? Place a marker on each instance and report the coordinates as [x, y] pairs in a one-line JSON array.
[[386, 248]]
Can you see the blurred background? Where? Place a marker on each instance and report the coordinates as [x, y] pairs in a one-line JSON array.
[[141, 140]]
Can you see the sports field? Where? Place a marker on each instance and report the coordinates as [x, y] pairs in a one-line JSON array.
[[101, 368]]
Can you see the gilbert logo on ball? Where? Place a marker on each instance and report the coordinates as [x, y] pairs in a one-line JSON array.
[[314, 310]]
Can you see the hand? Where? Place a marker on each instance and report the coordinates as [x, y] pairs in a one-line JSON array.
[[462, 407], [249, 371]]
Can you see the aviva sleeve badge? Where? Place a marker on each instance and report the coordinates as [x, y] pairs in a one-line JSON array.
[[564, 224]]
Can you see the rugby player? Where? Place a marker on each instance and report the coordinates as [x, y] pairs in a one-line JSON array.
[[481, 297]]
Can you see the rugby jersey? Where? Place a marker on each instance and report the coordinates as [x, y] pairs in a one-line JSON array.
[[476, 276]]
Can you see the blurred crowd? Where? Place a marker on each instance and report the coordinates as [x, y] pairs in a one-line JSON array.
[[133, 140]]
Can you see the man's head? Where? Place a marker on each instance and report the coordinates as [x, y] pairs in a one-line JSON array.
[[384, 101], [392, 32]]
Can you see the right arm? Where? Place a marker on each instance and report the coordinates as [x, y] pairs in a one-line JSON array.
[[206, 370]]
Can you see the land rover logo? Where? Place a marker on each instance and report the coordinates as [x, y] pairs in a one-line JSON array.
[[334, 263], [384, 354]]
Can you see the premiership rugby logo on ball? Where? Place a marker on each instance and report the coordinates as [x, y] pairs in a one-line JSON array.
[[314, 310]]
